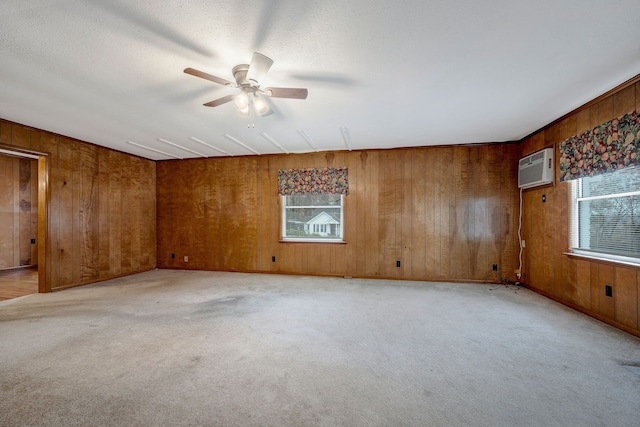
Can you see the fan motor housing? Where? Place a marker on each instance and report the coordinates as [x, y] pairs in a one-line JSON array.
[[240, 74]]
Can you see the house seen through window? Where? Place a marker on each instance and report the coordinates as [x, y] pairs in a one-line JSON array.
[[306, 216], [606, 214]]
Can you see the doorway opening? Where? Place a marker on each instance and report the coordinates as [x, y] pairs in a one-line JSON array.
[[23, 222]]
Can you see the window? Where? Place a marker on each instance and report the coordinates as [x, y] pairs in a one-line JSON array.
[[312, 217], [605, 215]]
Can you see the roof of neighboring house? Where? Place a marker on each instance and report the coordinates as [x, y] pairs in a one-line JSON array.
[[332, 217]]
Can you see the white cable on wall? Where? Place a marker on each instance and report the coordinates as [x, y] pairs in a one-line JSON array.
[[519, 273]]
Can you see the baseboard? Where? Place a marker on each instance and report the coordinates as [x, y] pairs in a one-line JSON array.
[[585, 311]]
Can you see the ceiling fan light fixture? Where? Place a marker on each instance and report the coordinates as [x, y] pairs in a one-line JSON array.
[[242, 100], [260, 106], [248, 78], [244, 111]]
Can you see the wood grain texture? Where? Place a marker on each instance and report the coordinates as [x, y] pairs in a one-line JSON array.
[[606, 277], [581, 293], [115, 213], [34, 211], [624, 101], [89, 225], [104, 225], [578, 283], [99, 202], [7, 202], [15, 181], [25, 203], [626, 297], [50, 146], [595, 291], [402, 206], [18, 282], [18, 211], [67, 230], [43, 222]]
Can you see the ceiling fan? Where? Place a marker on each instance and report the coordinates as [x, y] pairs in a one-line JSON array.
[[248, 78]]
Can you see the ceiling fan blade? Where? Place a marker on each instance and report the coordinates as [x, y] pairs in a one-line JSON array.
[[259, 67], [286, 92], [220, 101], [206, 76]]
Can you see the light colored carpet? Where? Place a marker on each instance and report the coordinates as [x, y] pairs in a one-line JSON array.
[[210, 348]]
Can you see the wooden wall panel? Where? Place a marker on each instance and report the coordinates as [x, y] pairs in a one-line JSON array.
[[581, 293], [578, 283], [595, 290], [483, 239], [626, 297], [7, 208], [116, 216], [50, 145], [459, 256], [386, 219], [407, 215], [606, 276], [624, 101], [416, 214], [135, 202], [18, 209], [371, 238], [24, 209], [66, 232], [33, 207], [449, 215], [88, 213], [5, 133], [99, 203], [147, 219], [356, 253], [104, 225], [127, 193], [402, 206], [509, 215], [15, 181]]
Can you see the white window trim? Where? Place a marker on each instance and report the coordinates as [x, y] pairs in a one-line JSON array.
[[574, 221], [609, 257], [283, 225]]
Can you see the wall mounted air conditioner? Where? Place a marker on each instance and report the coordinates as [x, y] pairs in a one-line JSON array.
[[536, 169]]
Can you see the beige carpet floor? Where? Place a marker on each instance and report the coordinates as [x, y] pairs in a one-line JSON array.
[[230, 349]]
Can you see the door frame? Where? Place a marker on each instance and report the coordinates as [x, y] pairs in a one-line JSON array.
[[43, 204]]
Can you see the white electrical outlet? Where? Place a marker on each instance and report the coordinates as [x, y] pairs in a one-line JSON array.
[[524, 245], [186, 258]]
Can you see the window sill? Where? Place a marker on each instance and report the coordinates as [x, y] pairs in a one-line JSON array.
[[335, 242], [603, 260]]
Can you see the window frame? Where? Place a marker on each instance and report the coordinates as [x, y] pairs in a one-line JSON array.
[[575, 197], [290, 239]]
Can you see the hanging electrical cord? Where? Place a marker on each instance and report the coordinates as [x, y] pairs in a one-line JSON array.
[[519, 270]]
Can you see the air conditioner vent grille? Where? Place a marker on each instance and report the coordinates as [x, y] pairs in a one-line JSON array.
[[536, 169], [538, 156]]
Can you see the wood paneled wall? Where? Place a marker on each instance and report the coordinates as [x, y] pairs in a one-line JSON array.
[[447, 213], [101, 208], [18, 211], [576, 282]]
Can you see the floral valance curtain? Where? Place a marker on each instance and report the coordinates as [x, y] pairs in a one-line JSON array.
[[313, 181], [610, 146]]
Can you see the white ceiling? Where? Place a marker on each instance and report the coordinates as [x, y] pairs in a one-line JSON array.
[[395, 73]]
